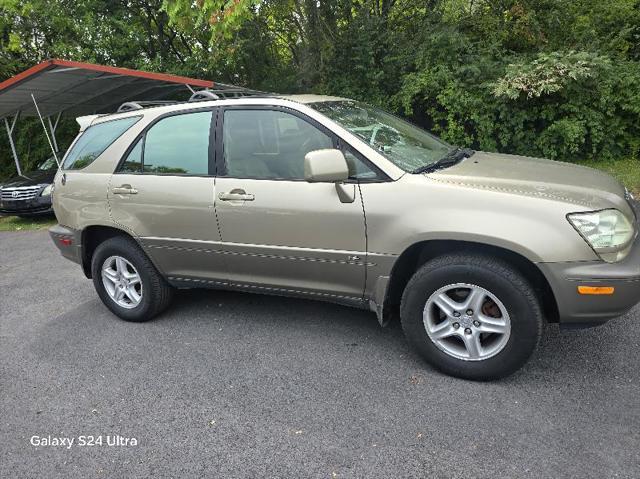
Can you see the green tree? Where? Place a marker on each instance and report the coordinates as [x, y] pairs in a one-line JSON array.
[[539, 77]]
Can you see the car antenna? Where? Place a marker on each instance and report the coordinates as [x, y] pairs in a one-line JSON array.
[[45, 130]]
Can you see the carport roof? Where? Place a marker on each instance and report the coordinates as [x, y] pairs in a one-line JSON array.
[[77, 88]]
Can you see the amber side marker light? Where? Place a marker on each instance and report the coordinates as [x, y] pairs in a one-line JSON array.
[[597, 290]]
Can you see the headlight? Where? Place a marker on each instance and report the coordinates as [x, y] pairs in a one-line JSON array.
[[608, 232], [47, 190]]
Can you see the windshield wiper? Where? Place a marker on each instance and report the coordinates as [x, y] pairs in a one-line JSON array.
[[454, 156]]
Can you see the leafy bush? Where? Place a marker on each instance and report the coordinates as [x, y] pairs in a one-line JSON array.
[[561, 105], [547, 74]]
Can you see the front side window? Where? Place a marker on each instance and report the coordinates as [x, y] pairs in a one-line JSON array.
[[404, 144], [176, 145], [358, 169], [268, 144], [95, 140]]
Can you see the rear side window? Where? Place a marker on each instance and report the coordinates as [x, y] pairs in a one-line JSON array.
[[133, 163], [95, 140], [176, 145]]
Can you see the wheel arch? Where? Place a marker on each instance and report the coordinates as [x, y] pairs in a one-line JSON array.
[[419, 253], [92, 237]]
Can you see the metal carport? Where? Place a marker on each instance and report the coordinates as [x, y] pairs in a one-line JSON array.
[[74, 88]]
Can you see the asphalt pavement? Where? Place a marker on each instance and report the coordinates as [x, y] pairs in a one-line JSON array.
[[242, 385]]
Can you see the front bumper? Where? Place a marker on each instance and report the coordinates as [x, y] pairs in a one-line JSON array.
[[40, 205], [576, 309], [68, 241]]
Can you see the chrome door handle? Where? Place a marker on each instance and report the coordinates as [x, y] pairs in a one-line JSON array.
[[236, 195], [124, 190]]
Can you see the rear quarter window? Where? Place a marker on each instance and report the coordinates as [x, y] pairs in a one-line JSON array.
[[95, 140]]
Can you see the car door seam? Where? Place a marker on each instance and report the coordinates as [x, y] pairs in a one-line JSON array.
[[366, 243]]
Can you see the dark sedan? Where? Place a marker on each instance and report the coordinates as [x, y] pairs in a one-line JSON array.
[[30, 194]]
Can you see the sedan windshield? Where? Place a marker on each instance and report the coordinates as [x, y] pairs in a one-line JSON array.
[[48, 164], [404, 144]]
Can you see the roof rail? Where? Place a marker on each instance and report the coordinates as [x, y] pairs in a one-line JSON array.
[[139, 105], [204, 95], [225, 92], [221, 93]]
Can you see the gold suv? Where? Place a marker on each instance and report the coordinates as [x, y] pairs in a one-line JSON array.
[[333, 199]]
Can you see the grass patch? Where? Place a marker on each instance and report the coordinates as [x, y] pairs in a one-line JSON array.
[[13, 223], [627, 171]]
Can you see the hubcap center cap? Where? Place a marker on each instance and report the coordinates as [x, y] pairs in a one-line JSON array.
[[465, 321]]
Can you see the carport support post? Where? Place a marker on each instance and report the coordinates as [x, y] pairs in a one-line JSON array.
[[10, 135], [55, 154], [52, 129]]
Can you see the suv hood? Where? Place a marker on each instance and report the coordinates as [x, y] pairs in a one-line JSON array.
[[536, 177]]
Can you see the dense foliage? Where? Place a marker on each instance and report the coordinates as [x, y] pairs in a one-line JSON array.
[[552, 78]]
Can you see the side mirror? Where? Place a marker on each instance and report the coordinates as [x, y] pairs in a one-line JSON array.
[[327, 166]]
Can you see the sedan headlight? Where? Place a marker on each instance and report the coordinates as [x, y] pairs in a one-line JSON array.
[[47, 190], [608, 232]]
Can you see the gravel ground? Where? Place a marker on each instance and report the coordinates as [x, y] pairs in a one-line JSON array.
[[239, 385]]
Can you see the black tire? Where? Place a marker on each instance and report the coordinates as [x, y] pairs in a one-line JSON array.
[[498, 277], [157, 293]]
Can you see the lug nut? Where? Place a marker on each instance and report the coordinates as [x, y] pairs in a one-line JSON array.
[[456, 314], [456, 325], [476, 323], [467, 330], [469, 312]]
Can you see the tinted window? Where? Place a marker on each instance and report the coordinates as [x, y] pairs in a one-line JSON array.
[[133, 163], [178, 145], [358, 169], [48, 164], [268, 144], [95, 140]]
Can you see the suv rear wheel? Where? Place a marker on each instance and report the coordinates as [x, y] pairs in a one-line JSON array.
[[127, 282], [471, 316]]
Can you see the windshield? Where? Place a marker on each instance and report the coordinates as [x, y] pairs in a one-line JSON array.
[[48, 164], [404, 144]]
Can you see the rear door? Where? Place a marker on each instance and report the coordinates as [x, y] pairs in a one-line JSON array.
[[163, 193]]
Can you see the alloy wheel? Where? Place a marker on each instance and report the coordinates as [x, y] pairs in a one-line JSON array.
[[467, 322], [122, 282]]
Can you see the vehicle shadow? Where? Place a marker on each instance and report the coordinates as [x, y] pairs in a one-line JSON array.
[[560, 352], [198, 316]]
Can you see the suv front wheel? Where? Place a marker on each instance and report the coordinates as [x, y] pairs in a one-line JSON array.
[[471, 316], [127, 282]]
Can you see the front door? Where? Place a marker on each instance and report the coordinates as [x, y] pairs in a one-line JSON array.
[[163, 194], [279, 233]]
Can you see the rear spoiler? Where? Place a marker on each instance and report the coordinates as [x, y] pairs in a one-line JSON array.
[[85, 121]]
